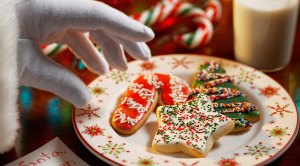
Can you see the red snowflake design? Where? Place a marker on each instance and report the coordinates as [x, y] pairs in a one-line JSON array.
[[181, 62], [228, 162], [148, 65], [269, 91], [89, 111], [93, 131], [281, 110]]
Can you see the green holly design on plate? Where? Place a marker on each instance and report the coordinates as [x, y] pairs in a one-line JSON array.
[[247, 76], [145, 161], [97, 90], [119, 76], [258, 151], [278, 132], [113, 149]]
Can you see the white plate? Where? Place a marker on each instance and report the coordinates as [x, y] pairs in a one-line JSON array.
[[267, 140]]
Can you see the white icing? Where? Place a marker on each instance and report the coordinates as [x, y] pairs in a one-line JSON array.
[[189, 123]]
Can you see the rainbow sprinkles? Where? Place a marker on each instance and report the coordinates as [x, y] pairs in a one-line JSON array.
[[227, 99]]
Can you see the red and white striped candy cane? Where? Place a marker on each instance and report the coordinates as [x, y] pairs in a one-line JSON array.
[[213, 10], [52, 49], [203, 18]]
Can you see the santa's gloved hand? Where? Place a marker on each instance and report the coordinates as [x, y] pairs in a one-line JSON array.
[[65, 22]]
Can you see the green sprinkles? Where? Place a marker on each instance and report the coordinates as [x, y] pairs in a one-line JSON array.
[[191, 123]]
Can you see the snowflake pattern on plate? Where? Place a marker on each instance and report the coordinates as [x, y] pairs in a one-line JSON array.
[[145, 161], [280, 110], [246, 76], [148, 65], [278, 125], [89, 112], [269, 91], [113, 149], [228, 162], [119, 76], [97, 90], [180, 62], [94, 130], [278, 132], [259, 150]]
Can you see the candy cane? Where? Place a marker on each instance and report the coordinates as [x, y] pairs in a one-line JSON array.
[[202, 18], [52, 49], [213, 10]]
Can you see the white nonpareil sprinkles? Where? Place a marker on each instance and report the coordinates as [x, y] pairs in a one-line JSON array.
[[141, 98], [143, 92], [176, 86], [152, 79], [134, 105]]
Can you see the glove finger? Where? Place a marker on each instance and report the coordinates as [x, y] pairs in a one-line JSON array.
[[137, 50], [85, 50], [37, 70], [112, 51], [89, 15]]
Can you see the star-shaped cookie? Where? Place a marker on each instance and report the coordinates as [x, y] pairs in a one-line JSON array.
[[191, 127]]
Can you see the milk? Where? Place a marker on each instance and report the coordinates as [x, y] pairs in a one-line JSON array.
[[264, 32]]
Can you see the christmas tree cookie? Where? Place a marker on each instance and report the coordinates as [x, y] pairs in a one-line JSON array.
[[227, 99], [191, 127]]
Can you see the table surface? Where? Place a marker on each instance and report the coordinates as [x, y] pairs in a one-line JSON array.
[[44, 116]]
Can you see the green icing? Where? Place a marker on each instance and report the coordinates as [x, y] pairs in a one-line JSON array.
[[252, 115]]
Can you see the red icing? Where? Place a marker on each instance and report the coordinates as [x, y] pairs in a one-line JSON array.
[[166, 89], [133, 113], [166, 97]]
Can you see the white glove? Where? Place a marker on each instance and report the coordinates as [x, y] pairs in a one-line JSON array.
[[65, 21], [62, 21]]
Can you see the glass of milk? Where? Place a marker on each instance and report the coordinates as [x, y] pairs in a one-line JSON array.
[[264, 32]]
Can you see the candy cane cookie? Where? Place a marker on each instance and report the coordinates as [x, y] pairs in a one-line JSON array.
[[227, 98], [141, 98], [191, 127]]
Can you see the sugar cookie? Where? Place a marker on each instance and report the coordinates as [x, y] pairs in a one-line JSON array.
[[142, 97], [191, 127]]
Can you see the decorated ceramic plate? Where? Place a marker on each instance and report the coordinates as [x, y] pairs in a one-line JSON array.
[[270, 137]]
